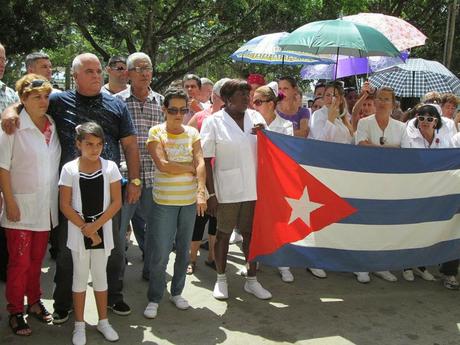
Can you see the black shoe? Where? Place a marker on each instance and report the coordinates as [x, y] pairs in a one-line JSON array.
[[61, 316], [205, 245], [120, 308]]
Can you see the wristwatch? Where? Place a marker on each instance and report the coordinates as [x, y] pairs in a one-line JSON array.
[[136, 181]]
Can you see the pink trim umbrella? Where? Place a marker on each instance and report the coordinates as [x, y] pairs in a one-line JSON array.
[[401, 33]]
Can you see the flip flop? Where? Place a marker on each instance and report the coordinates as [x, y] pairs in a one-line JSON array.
[[42, 316], [21, 325], [191, 268]]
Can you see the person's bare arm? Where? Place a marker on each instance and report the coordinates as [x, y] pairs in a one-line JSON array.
[[303, 129], [131, 151], [201, 177], [193, 122], [11, 207], [158, 155], [10, 118], [212, 201]]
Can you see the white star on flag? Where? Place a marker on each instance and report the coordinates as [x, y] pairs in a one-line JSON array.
[[302, 207]]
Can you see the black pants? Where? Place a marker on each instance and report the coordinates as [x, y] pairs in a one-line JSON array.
[[3, 255], [450, 268]]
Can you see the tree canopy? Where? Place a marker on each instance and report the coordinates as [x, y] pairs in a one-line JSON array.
[[190, 35]]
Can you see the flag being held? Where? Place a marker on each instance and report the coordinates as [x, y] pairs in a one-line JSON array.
[[351, 208]]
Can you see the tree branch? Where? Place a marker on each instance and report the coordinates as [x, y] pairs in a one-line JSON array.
[[87, 35]]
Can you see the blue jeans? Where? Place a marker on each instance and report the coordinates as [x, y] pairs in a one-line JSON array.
[[139, 212], [172, 224]]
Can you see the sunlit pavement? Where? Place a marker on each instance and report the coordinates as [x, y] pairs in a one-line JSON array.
[[333, 311]]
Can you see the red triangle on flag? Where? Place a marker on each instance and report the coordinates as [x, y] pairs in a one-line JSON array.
[[282, 182]]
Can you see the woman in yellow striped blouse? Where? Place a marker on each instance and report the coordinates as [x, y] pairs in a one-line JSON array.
[[178, 195]]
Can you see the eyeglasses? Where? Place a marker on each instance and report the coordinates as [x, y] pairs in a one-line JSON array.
[[175, 111], [141, 69], [259, 102], [118, 69], [382, 140], [426, 118]]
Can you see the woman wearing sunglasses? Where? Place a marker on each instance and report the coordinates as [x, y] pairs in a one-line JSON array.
[[423, 132], [178, 195], [29, 174]]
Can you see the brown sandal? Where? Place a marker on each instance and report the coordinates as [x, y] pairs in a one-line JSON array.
[[19, 325], [43, 315], [191, 268]]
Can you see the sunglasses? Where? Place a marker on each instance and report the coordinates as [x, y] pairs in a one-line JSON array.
[[175, 111], [118, 69], [382, 140], [36, 83], [426, 118], [259, 102]]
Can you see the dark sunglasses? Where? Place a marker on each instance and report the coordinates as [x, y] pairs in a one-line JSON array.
[[259, 102], [36, 83], [175, 111], [118, 69], [382, 140], [422, 118]]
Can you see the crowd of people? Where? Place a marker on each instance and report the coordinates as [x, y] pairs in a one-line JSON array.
[[80, 169]]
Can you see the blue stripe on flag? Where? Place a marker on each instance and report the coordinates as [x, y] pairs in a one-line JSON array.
[[365, 159], [404, 211], [360, 260]]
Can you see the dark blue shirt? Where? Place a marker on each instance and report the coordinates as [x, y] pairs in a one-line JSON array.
[[70, 109]]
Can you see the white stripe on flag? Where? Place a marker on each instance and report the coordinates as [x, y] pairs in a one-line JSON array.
[[352, 184], [383, 237]]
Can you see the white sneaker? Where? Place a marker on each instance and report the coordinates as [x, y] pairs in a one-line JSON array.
[[235, 237], [318, 273], [450, 282], [79, 334], [107, 330], [425, 275], [151, 310], [286, 275], [408, 275], [252, 286], [220, 291], [180, 302], [386, 275], [362, 277]]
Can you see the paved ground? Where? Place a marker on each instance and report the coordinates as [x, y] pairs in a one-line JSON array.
[[334, 311]]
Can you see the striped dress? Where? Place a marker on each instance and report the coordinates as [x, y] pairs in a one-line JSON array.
[[175, 189]]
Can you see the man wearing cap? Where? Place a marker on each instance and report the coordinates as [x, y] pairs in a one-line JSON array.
[[118, 75], [144, 106]]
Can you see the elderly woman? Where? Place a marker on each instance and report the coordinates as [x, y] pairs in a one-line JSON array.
[[29, 167], [331, 123], [290, 109], [380, 130], [228, 138], [178, 195], [264, 101]]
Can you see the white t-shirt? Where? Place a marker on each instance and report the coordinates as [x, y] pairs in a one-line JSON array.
[[414, 138], [368, 129], [234, 150], [280, 125], [323, 129]]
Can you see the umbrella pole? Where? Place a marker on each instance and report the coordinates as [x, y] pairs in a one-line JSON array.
[[413, 83], [336, 64]]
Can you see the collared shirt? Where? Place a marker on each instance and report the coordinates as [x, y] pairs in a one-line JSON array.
[[414, 139], [368, 129], [144, 116], [235, 155], [323, 129], [7, 96], [34, 171]]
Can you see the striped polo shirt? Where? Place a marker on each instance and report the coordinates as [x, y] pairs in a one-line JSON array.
[[175, 189]]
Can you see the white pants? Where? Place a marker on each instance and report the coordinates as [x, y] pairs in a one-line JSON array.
[[94, 260]]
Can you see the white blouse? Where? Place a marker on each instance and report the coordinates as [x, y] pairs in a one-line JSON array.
[[34, 173], [323, 129]]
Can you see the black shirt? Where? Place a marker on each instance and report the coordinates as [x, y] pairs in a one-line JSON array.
[[70, 109]]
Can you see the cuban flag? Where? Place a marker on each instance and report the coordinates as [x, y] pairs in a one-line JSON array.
[[353, 208]]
